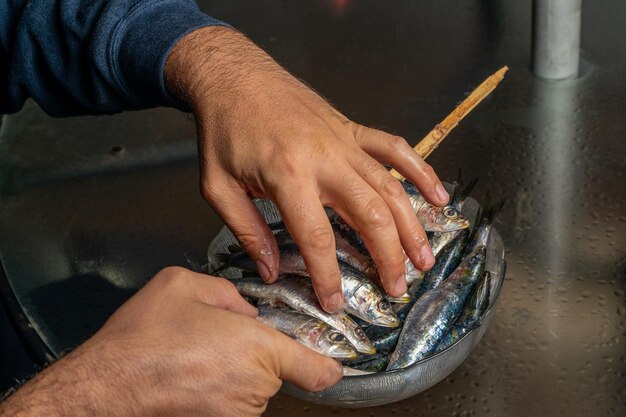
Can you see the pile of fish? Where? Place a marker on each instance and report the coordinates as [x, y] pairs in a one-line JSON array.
[[376, 332]]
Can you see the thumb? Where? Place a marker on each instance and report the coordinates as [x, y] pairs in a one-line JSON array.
[[304, 367], [221, 293]]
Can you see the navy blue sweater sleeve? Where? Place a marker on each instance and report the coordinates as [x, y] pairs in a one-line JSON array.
[[87, 57]]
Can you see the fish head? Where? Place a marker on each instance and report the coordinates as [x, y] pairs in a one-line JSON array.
[[442, 219], [374, 308], [357, 337], [336, 345]]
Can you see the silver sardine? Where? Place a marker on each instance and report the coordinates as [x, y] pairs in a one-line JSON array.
[[311, 332], [431, 217], [297, 293], [434, 312]]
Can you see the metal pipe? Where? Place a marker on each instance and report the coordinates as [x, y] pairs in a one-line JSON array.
[[556, 38]]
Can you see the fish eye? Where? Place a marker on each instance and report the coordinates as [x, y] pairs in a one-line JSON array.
[[450, 212], [336, 337], [384, 305], [360, 333]]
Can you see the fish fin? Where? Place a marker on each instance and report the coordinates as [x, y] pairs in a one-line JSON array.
[[264, 302], [194, 265], [459, 178], [457, 184], [217, 271], [462, 190], [467, 189], [224, 260], [235, 248], [491, 210]]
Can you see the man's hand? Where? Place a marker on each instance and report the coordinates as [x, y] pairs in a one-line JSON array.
[[186, 344], [263, 133]]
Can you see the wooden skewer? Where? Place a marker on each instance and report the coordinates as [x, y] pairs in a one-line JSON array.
[[427, 145]]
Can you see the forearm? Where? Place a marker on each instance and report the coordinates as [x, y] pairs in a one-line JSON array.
[[81, 384], [216, 69]]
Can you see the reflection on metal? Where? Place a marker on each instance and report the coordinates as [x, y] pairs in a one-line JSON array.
[[556, 157], [556, 38]]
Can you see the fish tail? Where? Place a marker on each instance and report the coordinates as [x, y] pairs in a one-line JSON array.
[[491, 209], [469, 187], [462, 190]]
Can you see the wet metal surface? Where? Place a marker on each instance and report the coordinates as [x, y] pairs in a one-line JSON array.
[[91, 207]]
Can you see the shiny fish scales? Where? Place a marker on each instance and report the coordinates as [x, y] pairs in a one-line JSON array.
[[364, 300], [446, 263], [348, 248], [431, 217], [311, 332], [290, 260], [480, 234], [471, 315], [296, 292], [383, 339], [438, 240], [434, 312]]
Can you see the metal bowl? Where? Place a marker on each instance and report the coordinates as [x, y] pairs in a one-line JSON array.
[[390, 386]]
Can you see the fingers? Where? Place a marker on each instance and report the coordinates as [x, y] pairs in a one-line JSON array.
[[233, 205], [410, 231], [221, 293], [394, 150], [308, 224], [218, 292], [368, 213], [304, 367]]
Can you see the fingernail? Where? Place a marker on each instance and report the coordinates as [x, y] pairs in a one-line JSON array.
[[400, 287], [443, 195], [335, 302], [263, 270], [426, 256]]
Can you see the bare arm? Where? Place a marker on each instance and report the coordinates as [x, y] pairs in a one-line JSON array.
[[261, 132], [186, 344]]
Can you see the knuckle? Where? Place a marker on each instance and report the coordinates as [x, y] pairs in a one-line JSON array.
[[226, 287], [320, 239], [377, 213], [247, 240], [397, 143], [326, 282], [429, 171], [290, 165], [172, 275], [395, 264], [391, 187]]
